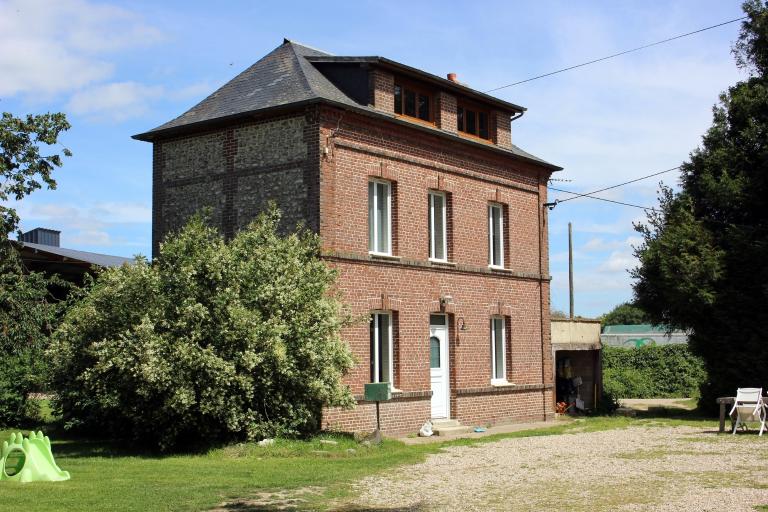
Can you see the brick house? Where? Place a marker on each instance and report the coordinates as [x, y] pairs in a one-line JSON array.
[[433, 217]]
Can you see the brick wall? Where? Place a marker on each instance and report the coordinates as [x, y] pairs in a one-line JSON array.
[[445, 117], [399, 416], [501, 129], [235, 171], [382, 90], [501, 406], [411, 286]]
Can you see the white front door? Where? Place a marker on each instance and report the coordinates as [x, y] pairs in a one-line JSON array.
[[438, 365]]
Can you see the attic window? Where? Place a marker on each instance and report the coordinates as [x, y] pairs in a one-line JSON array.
[[413, 101], [472, 121]]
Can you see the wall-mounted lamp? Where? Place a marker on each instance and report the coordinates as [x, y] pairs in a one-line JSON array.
[[552, 205], [460, 324]]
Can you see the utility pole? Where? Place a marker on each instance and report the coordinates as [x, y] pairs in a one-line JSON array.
[[570, 266]]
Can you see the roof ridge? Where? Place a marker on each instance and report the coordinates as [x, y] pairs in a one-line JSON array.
[[301, 68], [297, 43]]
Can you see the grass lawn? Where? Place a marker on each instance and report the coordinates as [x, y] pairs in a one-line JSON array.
[[109, 477]]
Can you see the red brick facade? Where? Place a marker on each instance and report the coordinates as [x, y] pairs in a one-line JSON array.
[[409, 285]]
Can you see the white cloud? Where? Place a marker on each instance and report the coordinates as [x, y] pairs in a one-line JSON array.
[[599, 244], [52, 47], [92, 226], [617, 261], [82, 221], [89, 237], [122, 213], [114, 101]]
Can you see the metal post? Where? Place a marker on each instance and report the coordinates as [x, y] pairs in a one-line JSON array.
[[377, 434], [570, 266]]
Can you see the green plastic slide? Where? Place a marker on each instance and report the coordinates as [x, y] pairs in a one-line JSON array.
[[29, 460]]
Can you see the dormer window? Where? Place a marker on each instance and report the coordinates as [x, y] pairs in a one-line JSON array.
[[413, 101], [473, 121]]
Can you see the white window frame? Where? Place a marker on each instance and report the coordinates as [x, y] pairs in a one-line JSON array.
[[432, 251], [376, 355], [375, 224], [495, 379], [491, 207]]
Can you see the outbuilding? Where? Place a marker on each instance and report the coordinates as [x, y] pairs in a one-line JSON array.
[[578, 371]]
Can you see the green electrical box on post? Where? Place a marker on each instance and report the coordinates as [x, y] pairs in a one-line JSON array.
[[377, 392]]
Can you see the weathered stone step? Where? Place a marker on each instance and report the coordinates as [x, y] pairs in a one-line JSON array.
[[445, 423], [447, 431], [446, 427]]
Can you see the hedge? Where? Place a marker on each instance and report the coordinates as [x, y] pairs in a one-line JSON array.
[[652, 371]]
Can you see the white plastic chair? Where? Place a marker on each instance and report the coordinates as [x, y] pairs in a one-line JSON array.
[[748, 406]]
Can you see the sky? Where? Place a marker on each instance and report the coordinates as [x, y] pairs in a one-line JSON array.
[[121, 68]]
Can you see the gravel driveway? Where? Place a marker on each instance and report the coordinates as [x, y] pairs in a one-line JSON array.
[[638, 468]]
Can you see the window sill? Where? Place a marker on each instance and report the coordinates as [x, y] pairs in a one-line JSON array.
[[501, 383], [442, 262], [382, 256], [495, 268]]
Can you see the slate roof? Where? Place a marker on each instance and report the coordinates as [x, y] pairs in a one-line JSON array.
[[282, 77], [286, 76], [103, 260]]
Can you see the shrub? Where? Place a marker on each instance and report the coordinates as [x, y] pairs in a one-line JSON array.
[[214, 341], [663, 371]]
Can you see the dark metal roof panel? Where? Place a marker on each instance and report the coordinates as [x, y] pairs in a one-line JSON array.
[[103, 260]]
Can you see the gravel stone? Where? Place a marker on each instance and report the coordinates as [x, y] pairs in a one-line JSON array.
[[633, 469]]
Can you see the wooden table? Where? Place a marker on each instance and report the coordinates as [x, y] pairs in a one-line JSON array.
[[723, 401], [728, 400]]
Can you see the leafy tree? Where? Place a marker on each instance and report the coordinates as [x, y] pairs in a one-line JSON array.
[[703, 258], [23, 168], [28, 313], [624, 314], [216, 340]]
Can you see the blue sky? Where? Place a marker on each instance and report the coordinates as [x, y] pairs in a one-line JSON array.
[[120, 68]]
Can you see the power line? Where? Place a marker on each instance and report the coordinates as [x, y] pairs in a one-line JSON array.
[[617, 54], [588, 194], [594, 197]]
